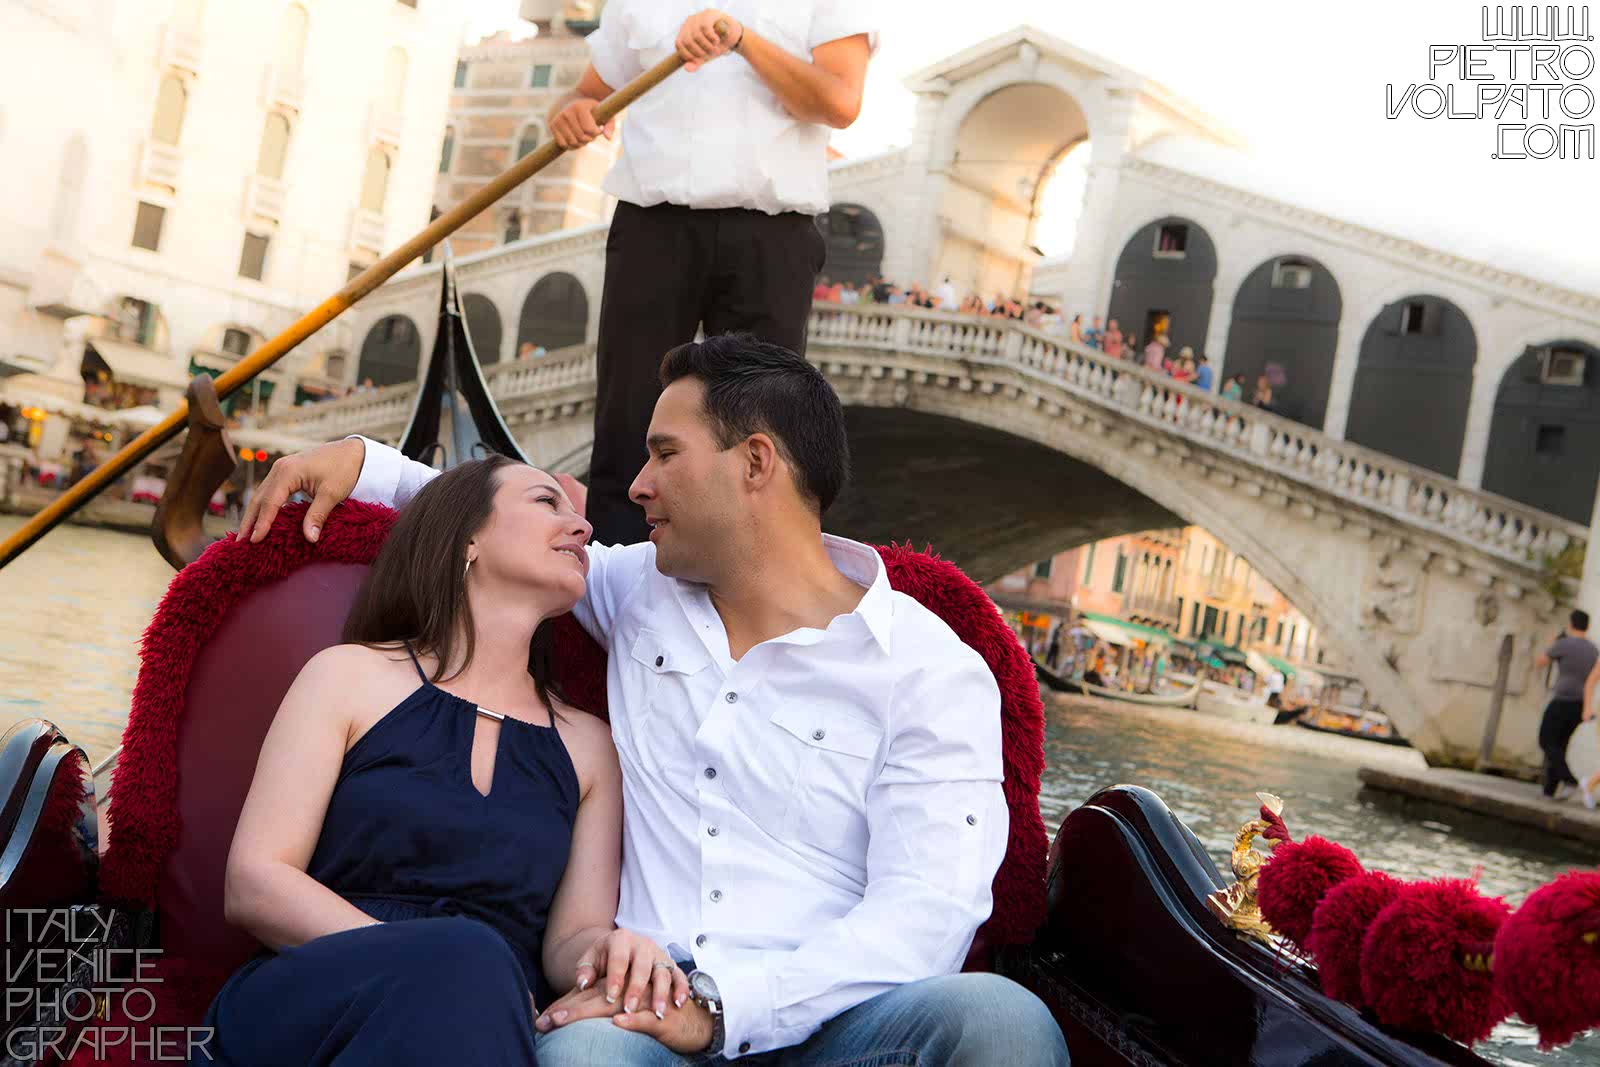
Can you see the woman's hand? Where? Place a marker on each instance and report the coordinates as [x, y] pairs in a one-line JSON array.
[[627, 971]]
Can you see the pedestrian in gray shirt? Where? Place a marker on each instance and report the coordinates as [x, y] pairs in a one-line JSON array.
[[1574, 656]]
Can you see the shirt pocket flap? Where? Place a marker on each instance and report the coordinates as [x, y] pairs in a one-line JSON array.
[[657, 654], [831, 732]]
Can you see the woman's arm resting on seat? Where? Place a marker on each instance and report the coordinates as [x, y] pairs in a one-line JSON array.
[[585, 904], [266, 889]]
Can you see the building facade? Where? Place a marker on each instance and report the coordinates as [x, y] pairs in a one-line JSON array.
[[204, 174]]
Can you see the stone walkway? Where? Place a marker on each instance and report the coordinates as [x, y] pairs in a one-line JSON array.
[[1502, 798]]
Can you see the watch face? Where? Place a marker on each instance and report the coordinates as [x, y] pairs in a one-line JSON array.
[[701, 984]]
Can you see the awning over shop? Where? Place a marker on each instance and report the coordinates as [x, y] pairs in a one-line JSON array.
[[1109, 632], [1282, 665], [1130, 631], [1214, 654], [55, 405], [138, 365], [11, 366]]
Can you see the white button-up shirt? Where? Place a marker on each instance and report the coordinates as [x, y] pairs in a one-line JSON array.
[[718, 137], [818, 821]]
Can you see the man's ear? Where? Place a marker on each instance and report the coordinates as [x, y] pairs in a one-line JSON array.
[[761, 461]]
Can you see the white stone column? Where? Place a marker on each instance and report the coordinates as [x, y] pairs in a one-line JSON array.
[[1589, 591], [1086, 288], [1480, 419], [1345, 357]]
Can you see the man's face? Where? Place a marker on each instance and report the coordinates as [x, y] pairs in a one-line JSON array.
[[689, 488]]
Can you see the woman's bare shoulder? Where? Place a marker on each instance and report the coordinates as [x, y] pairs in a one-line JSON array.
[[588, 741]]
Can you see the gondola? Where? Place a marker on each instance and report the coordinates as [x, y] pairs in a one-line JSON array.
[[1115, 927]]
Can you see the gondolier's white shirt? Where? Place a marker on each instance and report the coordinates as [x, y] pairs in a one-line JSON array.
[[717, 137], [818, 821]]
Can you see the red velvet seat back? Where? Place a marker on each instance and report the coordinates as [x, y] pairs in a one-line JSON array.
[[235, 686]]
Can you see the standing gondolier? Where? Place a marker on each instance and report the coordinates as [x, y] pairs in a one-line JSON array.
[[721, 176]]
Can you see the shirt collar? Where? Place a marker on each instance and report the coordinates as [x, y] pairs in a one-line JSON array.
[[862, 565]]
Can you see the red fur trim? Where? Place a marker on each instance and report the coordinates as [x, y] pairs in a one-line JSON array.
[[1543, 967], [941, 587], [1294, 880], [1338, 926], [1412, 972], [143, 812]]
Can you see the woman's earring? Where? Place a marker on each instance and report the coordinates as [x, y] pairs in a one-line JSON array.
[[467, 570]]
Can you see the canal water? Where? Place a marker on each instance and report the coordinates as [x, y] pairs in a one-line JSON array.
[[76, 604]]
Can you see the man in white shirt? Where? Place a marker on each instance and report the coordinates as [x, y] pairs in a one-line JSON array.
[[723, 170], [811, 760]]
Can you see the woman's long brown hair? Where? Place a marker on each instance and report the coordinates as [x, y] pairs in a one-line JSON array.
[[416, 590]]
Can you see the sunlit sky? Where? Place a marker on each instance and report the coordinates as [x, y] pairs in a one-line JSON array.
[[1304, 84]]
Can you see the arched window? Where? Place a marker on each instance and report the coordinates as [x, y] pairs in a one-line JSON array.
[[394, 80], [555, 313], [274, 147], [292, 38], [855, 243], [171, 100], [447, 151], [375, 182], [528, 139], [69, 189], [390, 352]]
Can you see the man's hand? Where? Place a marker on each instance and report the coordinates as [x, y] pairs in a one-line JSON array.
[[699, 42], [328, 473], [685, 1030], [574, 125], [637, 975]]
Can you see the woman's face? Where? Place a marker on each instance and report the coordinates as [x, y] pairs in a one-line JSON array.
[[534, 539]]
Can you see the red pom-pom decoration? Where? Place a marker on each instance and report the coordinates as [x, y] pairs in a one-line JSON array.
[[1543, 965], [1424, 961], [1294, 880], [1338, 926]]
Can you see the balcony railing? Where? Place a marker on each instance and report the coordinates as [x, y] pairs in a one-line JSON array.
[[159, 163], [180, 47], [263, 198], [367, 230], [283, 87], [386, 125]]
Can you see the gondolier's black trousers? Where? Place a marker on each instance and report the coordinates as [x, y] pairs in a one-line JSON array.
[[1561, 718], [670, 270]]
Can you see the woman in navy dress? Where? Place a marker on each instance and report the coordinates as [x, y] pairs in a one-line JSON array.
[[432, 839]]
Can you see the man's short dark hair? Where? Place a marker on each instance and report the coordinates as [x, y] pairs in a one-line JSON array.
[[1580, 621], [753, 386], [1201, 358]]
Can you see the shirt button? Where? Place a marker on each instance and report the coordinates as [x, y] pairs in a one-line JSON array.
[[716, 895], [818, 735], [711, 772], [733, 698], [700, 942], [712, 831], [972, 820], [660, 660], [744, 1046]]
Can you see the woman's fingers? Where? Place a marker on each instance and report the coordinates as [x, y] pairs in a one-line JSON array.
[[639, 978], [586, 969], [680, 986], [618, 952]]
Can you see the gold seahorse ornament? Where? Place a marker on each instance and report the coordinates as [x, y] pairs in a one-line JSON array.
[[1236, 905]]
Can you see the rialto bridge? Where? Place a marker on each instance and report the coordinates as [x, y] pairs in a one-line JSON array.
[[1424, 391]]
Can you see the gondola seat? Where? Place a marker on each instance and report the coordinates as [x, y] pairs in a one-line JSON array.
[[218, 657]]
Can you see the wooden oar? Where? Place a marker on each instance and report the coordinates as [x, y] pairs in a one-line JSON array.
[[359, 286]]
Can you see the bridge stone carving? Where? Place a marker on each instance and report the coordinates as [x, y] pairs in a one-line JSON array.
[[998, 445]]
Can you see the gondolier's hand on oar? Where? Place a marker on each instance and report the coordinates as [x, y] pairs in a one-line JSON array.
[[327, 473]]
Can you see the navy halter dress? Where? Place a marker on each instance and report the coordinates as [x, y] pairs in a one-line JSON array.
[[462, 884]]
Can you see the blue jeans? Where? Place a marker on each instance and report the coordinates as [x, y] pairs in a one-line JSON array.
[[959, 1020]]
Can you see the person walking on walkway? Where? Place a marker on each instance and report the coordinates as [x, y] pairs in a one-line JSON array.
[[723, 170], [1575, 657]]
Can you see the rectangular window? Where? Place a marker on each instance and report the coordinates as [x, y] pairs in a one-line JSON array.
[[1290, 645], [1042, 568], [1412, 314], [1289, 274], [1552, 441], [1278, 640], [1209, 623], [1562, 366], [1194, 620], [1172, 238], [1088, 567], [1180, 612], [235, 341], [147, 224], [1120, 573], [1238, 636], [541, 76], [461, 74], [253, 257]]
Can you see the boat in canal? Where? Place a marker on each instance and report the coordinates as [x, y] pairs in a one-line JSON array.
[[1114, 927]]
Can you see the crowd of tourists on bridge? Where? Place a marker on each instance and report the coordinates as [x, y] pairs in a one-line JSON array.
[[1186, 365]]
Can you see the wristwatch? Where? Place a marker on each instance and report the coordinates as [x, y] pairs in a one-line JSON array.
[[703, 991]]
